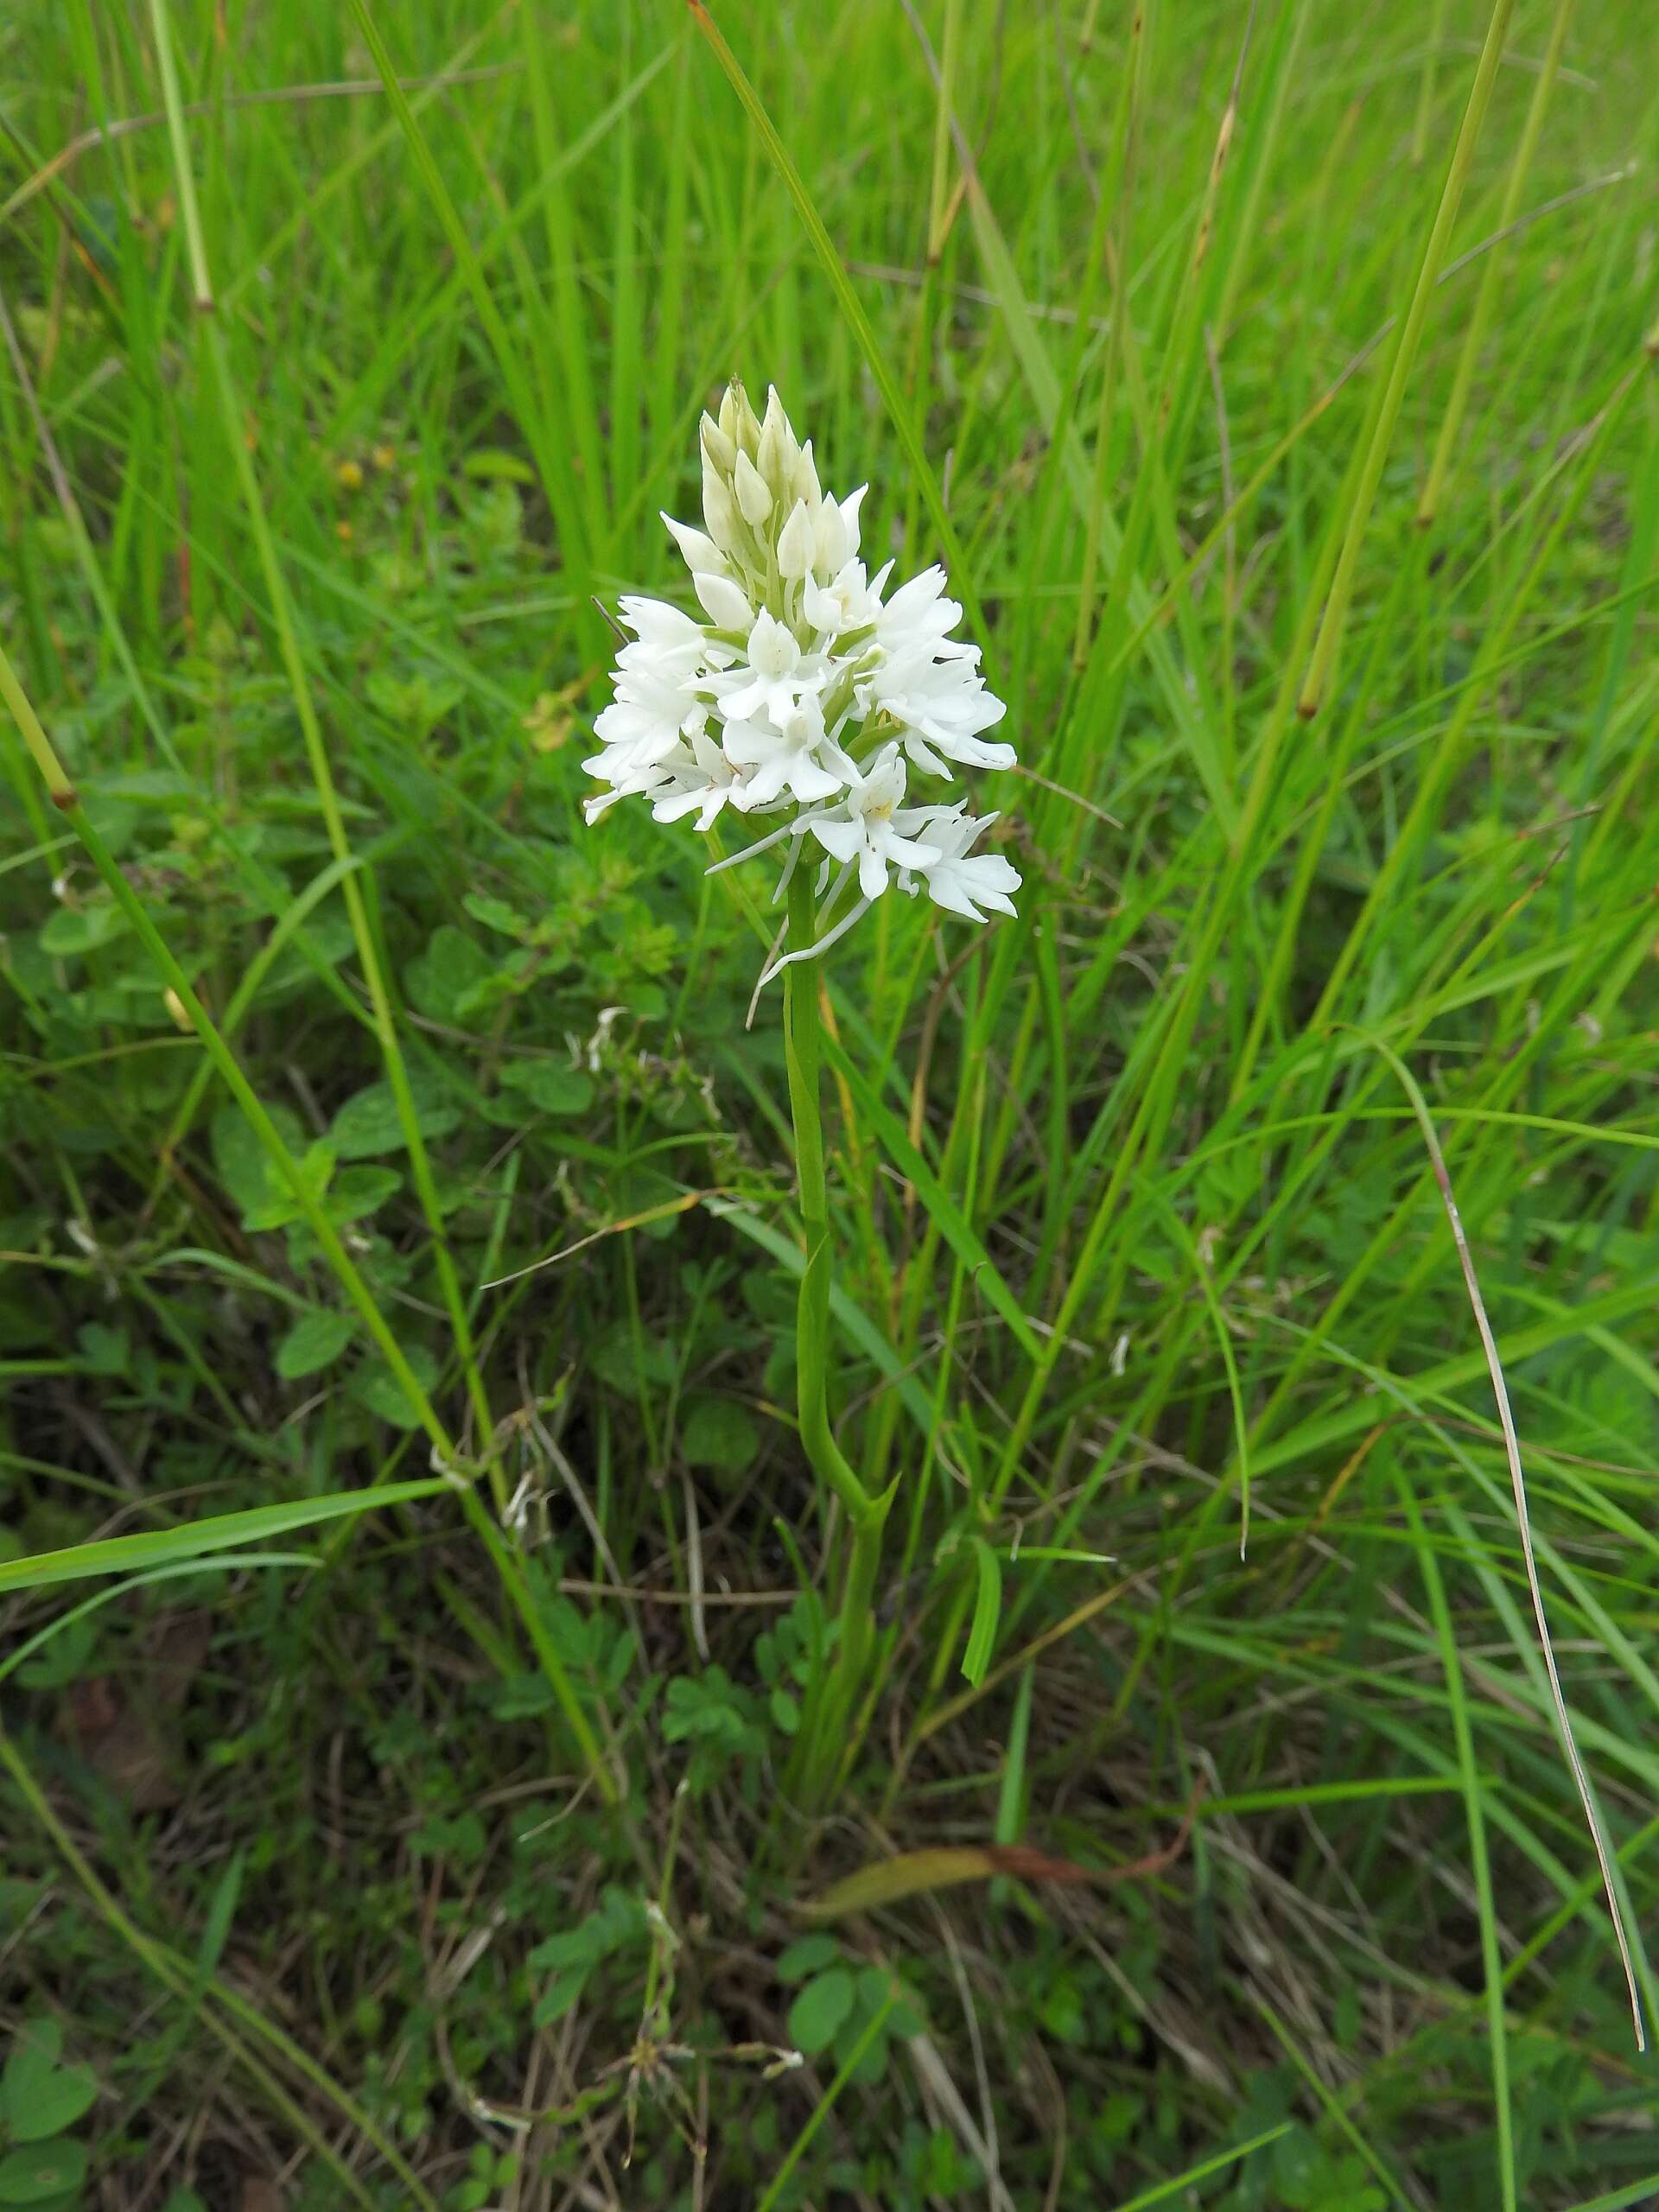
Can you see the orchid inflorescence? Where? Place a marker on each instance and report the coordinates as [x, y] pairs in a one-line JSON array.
[[801, 693]]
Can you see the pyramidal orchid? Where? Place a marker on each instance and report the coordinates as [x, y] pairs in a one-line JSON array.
[[806, 695]]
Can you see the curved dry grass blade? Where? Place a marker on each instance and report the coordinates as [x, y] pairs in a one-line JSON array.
[[884, 1881], [1517, 1483]]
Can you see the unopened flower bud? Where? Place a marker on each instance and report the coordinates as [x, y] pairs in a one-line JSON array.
[[720, 511], [723, 603], [796, 543], [829, 540], [699, 552], [752, 493], [836, 532], [776, 458], [772, 465], [805, 479], [719, 449], [737, 419]]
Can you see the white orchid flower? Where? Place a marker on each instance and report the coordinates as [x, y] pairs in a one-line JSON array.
[[777, 672], [919, 618], [848, 602], [627, 772], [784, 755], [702, 781], [834, 532], [959, 878], [863, 830], [942, 706]]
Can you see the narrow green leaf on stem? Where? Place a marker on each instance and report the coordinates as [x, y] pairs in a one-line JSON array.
[[988, 1608]]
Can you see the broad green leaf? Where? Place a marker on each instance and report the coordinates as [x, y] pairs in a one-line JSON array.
[[549, 1085], [241, 1159], [452, 965], [808, 1955], [630, 1363], [43, 2173], [719, 1434], [314, 1341], [818, 2014], [559, 1996], [54, 2106], [368, 1122], [279, 1205], [379, 1388], [496, 914], [81, 929], [359, 1191], [33, 2057], [106, 1350]]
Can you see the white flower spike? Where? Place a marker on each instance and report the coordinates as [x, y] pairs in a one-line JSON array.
[[802, 692]]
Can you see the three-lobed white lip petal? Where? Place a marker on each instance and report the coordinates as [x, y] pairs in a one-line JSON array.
[[959, 878], [942, 706], [702, 782], [866, 827], [784, 755]]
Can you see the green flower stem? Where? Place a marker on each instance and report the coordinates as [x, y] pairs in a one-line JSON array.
[[839, 1722], [866, 1511]]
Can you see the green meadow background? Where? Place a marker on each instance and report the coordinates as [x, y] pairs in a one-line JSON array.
[[410, 1571]]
